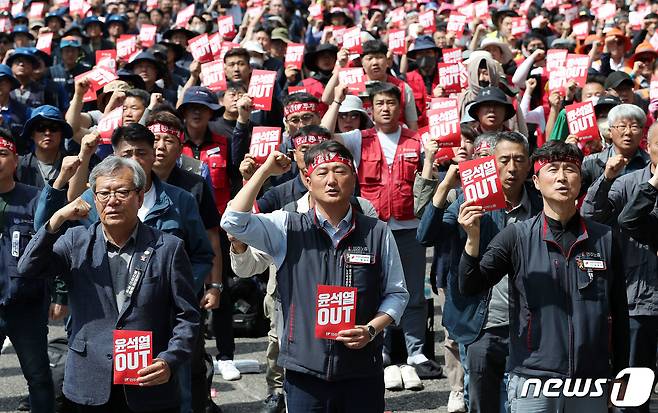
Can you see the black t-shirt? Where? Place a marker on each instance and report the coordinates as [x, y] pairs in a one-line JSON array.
[[201, 192]]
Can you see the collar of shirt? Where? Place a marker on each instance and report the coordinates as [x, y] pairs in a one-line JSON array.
[[111, 247], [572, 226], [336, 234], [523, 206]]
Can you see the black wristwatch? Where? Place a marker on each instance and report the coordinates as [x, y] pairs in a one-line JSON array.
[[372, 331], [218, 286]]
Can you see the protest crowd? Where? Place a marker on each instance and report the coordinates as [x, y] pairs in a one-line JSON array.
[[173, 169]]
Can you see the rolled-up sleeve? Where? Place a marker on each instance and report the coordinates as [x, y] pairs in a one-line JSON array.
[[266, 232], [395, 294], [250, 262]]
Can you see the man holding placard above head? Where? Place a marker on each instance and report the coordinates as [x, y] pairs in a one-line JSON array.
[[480, 322], [387, 158], [339, 279], [568, 310]]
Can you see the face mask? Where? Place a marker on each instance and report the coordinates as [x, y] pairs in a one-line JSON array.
[[426, 62], [256, 62], [199, 28]]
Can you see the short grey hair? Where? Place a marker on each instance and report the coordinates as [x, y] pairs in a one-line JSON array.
[[627, 111], [111, 165]]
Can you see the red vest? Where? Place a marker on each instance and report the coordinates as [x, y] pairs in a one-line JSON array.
[[215, 155], [390, 189]]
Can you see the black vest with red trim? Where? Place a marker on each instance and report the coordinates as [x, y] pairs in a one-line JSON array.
[[312, 260], [215, 155], [389, 189], [559, 312]]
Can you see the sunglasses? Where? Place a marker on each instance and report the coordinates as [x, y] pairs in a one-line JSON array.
[[42, 127]]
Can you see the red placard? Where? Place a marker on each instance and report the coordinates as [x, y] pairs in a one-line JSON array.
[[17, 7], [337, 32], [335, 310], [449, 77], [397, 16], [427, 21], [606, 11], [456, 23], [636, 18], [184, 15], [133, 351], [5, 5], [98, 77], [654, 40], [452, 55], [315, 11], [443, 154], [215, 42], [443, 103], [264, 140], [581, 120], [481, 183], [200, 48], [550, 4], [107, 59], [127, 47], [79, 8], [226, 46], [481, 9], [397, 42], [581, 29], [226, 27], [352, 40], [444, 126], [569, 10], [555, 58], [36, 11], [147, 34], [5, 24], [519, 26], [576, 68], [261, 88], [213, 76], [295, 55], [354, 78], [108, 123], [151, 4], [524, 7], [44, 42]]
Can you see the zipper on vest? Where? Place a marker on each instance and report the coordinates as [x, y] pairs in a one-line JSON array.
[[569, 320]]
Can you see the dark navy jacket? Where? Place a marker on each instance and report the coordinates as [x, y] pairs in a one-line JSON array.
[[463, 316], [312, 260], [175, 212], [163, 302], [565, 320], [18, 230]]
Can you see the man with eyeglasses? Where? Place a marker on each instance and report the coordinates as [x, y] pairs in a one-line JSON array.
[[122, 274], [605, 200], [627, 123]]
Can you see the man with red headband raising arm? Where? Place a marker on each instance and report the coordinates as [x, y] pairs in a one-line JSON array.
[[565, 283], [339, 279]]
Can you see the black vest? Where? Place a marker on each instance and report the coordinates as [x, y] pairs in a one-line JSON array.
[[311, 260]]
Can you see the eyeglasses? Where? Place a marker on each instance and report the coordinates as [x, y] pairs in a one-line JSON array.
[[306, 118], [42, 127], [119, 194], [624, 128]]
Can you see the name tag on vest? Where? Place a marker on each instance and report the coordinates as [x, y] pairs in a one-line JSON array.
[[594, 265], [351, 258], [212, 151], [335, 310]]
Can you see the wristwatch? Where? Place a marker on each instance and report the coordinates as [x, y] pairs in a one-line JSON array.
[[372, 331], [218, 286]]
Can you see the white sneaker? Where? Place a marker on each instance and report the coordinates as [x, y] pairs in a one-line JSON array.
[[393, 378], [5, 345], [228, 370], [456, 403], [410, 378]]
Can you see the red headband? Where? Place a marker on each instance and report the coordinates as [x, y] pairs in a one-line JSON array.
[[168, 130], [4, 143], [297, 107], [308, 139], [540, 163], [327, 157]]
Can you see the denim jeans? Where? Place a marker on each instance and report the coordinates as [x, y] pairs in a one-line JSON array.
[[26, 325], [486, 359]]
